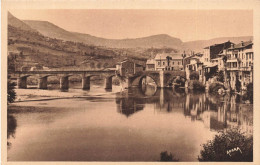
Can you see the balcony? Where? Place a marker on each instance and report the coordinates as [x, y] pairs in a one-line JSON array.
[[246, 68], [248, 51], [233, 59], [232, 68]]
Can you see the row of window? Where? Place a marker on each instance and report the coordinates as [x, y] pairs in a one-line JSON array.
[[243, 64], [163, 63], [130, 70], [247, 56], [171, 68]]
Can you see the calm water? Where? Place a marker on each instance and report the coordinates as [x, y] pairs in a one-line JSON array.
[[133, 125]]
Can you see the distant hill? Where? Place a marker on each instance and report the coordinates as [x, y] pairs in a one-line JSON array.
[[198, 46], [156, 41], [50, 30], [138, 47], [15, 22]]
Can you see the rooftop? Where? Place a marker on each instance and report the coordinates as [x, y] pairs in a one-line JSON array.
[[163, 56], [242, 45], [218, 44]]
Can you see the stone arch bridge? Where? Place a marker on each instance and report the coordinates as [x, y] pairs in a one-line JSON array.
[[64, 77], [161, 78]]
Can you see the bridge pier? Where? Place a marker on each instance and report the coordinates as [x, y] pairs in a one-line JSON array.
[[108, 83], [42, 83], [22, 82], [64, 82], [162, 82], [85, 83], [126, 83]]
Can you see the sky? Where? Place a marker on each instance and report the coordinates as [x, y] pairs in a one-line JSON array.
[[188, 25]]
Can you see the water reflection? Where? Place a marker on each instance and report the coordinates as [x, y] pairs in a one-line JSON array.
[[216, 113], [11, 127], [122, 126]]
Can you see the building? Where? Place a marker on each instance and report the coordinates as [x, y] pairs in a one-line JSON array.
[[165, 62], [240, 64], [191, 62], [128, 68], [212, 52], [150, 65]]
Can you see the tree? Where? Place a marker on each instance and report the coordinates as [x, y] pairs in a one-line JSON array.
[[230, 145], [11, 94], [165, 157]]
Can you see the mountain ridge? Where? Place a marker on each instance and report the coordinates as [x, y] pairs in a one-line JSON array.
[[51, 30]]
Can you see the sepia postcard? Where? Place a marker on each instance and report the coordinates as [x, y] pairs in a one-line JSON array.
[[122, 82]]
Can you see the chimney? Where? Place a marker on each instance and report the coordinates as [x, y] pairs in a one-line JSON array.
[[232, 46], [242, 43]]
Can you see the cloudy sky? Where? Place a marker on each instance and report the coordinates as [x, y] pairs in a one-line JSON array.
[[188, 25]]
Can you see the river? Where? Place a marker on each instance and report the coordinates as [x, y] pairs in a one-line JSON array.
[[132, 125]]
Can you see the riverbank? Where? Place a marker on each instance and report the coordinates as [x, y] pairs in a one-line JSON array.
[[26, 95]]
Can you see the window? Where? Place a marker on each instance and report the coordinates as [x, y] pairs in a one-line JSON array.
[[159, 63], [178, 63], [163, 63], [172, 63], [126, 70]]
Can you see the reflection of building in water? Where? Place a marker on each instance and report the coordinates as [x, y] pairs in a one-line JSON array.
[[216, 113], [219, 115], [130, 102], [169, 100], [128, 106]]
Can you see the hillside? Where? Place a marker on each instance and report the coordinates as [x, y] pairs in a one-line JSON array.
[[156, 41], [40, 42], [15, 22], [197, 46], [50, 30], [27, 49]]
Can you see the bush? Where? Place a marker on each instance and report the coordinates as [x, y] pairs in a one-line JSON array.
[[116, 82], [197, 85], [231, 145], [11, 94], [194, 75], [165, 157], [214, 87], [220, 76]]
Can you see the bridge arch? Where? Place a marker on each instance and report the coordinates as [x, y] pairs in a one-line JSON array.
[[170, 81], [137, 81]]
